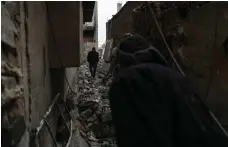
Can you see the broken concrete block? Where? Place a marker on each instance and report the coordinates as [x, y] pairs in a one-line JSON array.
[[11, 94], [74, 115], [87, 105], [13, 59], [8, 82], [94, 112]]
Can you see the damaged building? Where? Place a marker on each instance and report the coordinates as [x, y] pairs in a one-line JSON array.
[[90, 32], [42, 49], [48, 96], [199, 42], [122, 18]]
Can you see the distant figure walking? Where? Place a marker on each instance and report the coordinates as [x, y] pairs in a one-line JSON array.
[[93, 58]]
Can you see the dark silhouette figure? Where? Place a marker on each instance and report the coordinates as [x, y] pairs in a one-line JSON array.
[[154, 105], [93, 58]]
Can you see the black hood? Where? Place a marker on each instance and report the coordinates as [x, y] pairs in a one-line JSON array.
[[149, 55]]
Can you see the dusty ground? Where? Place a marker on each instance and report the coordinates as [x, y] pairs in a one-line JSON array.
[[91, 112]]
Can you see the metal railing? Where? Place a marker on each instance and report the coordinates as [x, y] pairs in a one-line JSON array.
[[44, 123]]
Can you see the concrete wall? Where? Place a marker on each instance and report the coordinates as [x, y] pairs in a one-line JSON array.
[[25, 48], [72, 76], [37, 50], [95, 16], [202, 56], [38, 67], [206, 31], [122, 22], [43, 89], [92, 39], [59, 83], [30, 56], [30, 53], [66, 30]]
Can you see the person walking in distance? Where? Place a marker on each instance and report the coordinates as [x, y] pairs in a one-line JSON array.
[[93, 58]]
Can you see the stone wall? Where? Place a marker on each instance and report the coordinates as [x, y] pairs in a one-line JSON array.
[[12, 95], [25, 54]]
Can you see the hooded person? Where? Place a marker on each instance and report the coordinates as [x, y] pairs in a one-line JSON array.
[[153, 105]]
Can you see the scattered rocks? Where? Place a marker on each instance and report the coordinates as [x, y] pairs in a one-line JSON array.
[[12, 88], [94, 113]]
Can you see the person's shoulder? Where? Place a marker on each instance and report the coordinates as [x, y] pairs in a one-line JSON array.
[[154, 68], [145, 67], [149, 71], [130, 73]]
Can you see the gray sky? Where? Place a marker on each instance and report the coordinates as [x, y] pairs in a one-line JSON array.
[[106, 8]]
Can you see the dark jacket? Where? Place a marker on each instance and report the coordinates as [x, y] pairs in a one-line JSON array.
[[93, 57], [154, 106]]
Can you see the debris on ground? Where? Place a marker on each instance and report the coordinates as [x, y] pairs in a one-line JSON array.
[[90, 109]]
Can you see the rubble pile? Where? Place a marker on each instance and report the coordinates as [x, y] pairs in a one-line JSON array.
[[92, 111]]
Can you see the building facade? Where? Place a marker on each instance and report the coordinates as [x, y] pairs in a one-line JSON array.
[[90, 32], [42, 46], [122, 21]]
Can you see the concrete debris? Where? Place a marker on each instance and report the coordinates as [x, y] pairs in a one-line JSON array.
[[12, 87], [9, 70], [92, 112], [8, 82], [11, 94]]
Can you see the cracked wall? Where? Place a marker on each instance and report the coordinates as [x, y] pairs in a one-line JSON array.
[[25, 54], [27, 79], [12, 98]]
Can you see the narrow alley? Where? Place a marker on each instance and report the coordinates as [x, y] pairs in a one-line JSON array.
[[90, 109], [156, 75]]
